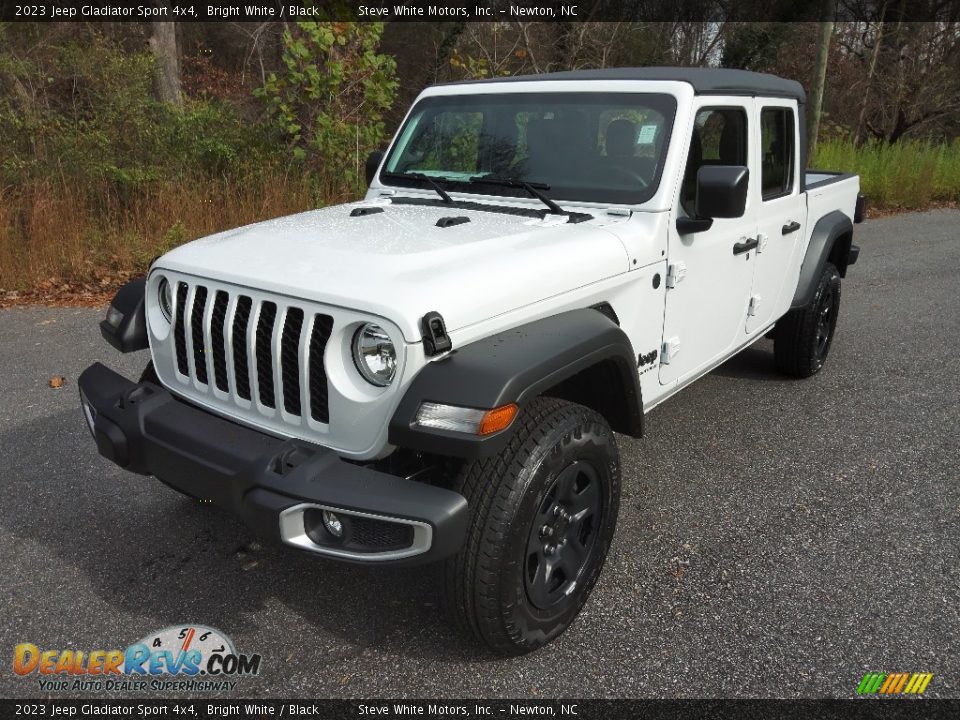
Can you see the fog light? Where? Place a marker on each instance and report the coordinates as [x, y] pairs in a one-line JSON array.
[[89, 414], [332, 524]]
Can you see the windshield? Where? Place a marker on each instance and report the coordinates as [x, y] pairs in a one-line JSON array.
[[589, 146]]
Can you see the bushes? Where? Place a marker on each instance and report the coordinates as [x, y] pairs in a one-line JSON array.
[[97, 177], [330, 99], [909, 175]]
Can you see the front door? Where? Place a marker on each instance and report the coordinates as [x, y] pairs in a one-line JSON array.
[[708, 278]]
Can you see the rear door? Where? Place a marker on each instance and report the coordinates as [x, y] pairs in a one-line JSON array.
[[781, 214], [708, 281]]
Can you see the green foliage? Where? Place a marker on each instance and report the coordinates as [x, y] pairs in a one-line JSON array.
[[331, 97], [86, 111], [907, 175]]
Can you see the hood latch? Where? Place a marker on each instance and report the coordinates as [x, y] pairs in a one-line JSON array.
[[435, 338]]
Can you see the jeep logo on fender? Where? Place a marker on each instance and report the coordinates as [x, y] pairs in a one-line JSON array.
[[646, 358]]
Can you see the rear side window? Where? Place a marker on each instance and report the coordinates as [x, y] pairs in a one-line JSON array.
[[777, 146]]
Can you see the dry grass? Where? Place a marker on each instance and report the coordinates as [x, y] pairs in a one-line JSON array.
[[56, 236]]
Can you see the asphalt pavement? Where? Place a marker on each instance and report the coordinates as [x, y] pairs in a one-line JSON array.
[[777, 538]]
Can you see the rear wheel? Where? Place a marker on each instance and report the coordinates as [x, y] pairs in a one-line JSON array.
[[802, 337], [542, 515]]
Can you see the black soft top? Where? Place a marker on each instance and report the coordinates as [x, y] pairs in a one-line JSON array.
[[705, 81]]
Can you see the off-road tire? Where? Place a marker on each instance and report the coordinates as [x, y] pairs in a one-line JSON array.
[[489, 583], [803, 336]]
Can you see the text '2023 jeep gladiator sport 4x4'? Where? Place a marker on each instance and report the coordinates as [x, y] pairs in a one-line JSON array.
[[436, 372]]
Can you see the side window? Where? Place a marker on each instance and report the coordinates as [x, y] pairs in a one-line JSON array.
[[777, 145], [719, 138]]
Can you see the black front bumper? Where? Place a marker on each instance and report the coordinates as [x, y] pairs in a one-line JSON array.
[[145, 429]]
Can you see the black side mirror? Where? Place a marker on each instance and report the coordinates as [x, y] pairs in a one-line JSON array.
[[373, 162], [721, 193]]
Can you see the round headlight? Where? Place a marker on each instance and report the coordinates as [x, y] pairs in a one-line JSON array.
[[165, 298], [374, 355]]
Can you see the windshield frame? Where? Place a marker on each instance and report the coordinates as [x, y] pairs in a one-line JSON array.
[[665, 103]]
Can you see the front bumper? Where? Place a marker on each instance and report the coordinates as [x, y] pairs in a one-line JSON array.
[[276, 486]]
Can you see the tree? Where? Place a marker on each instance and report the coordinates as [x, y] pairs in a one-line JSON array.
[[163, 44], [815, 104], [331, 96]]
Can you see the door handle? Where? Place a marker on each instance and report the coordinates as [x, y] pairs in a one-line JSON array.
[[790, 227], [742, 247]]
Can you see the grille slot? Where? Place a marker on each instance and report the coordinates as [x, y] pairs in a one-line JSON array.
[[252, 349], [268, 316], [241, 364], [196, 326], [290, 360], [179, 332], [319, 410], [217, 321]]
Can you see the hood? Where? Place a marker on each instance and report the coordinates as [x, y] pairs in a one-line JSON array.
[[397, 263]]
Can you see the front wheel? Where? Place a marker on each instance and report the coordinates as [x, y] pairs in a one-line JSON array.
[[803, 336], [542, 515]]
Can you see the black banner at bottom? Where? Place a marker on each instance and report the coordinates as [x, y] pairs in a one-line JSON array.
[[444, 709]]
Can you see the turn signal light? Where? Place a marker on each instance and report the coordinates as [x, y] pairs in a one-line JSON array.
[[471, 421], [497, 419]]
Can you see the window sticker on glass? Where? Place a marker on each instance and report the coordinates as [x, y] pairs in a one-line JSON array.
[[647, 133]]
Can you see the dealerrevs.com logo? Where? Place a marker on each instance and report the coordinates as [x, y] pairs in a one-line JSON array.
[[183, 658]]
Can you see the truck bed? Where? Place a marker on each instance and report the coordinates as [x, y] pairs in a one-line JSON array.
[[828, 191]]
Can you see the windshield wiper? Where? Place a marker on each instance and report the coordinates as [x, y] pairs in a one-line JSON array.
[[433, 182], [532, 188]]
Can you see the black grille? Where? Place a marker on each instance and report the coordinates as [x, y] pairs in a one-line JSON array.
[[322, 325], [196, 326], [268, 315], [250, 328], [378, 535], [179, 331], [290, 360], [217, 319]]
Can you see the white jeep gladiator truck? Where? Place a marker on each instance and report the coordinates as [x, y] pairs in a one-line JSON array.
[[436, 372]]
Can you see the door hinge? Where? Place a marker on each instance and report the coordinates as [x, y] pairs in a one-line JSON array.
[[675, 273], [754, 307], [669, 350], [761, 242]]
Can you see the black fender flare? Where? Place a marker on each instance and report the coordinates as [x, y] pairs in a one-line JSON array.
[[129, 332], [516, 366], [831, 229]]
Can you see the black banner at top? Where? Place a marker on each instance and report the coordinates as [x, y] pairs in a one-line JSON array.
[[257, 11]]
